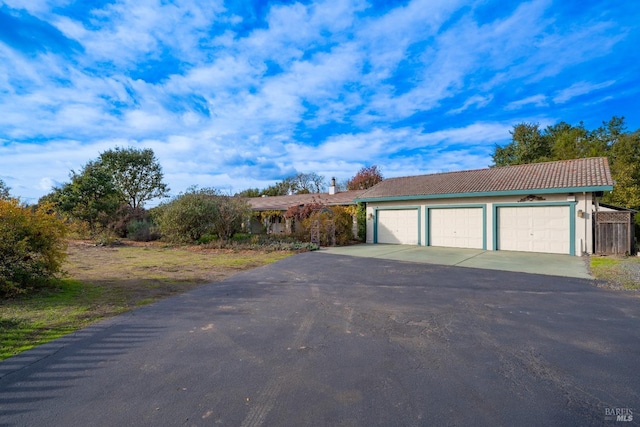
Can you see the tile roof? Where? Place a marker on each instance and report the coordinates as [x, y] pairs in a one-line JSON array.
[[574, 174], [284, 202]]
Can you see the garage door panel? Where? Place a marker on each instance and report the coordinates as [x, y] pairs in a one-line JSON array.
[[398, 226], [534, 229], [456, 227]]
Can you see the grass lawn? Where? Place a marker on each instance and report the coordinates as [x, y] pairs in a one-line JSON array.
[[105, 281], [617, 272]]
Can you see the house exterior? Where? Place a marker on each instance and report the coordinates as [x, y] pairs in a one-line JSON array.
[[540, 207], [273, 208]]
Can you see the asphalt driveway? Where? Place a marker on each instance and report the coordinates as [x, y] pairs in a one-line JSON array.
[[320, 339]]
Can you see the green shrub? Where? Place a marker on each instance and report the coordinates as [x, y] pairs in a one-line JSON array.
[[199, 212], [187, 217], [343, 221], [32, 247], [206, 239], [336, 224], [263, 242], [127, 220], [106, 237], [361, 217], [241, 237], [142, 230]]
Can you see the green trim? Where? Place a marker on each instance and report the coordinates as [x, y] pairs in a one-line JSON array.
[[572, 220], [394, 208], [487, 194], [472, 206]]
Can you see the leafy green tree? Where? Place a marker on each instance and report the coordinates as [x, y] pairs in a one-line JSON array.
[[4, 191], [625, 169], [568, 142], [563, 141], [528, 145], [366, 177], [91, 196], [281, 188], [602, 139], [249, 192], [136, 174], [110, 192], [32, 246]]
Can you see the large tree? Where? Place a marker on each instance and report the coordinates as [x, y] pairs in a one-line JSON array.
[[625, 169], [281, 188], [311, 182], [568, 142], [528, 145], [90, 196], [249, 192], [4, 191], [366, 177], [563, 141], [136, 173], [301, 183]]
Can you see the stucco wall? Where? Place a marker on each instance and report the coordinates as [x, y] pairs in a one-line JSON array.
[[580, 205]]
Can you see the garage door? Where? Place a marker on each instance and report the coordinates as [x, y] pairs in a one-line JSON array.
[[398, 226], [456, 228], [534, 229]]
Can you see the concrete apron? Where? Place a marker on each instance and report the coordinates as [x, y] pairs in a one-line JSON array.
[[524, 262]]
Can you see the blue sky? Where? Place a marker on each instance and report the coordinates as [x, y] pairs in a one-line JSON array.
[[240, 94]]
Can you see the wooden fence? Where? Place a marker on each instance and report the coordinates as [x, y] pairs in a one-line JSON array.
[[614, 233]]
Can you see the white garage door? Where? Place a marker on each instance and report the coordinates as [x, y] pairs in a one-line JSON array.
[[534, 229], [456, 228], [398, 226]]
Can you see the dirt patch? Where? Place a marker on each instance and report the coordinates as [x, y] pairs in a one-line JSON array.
[[131, 273]]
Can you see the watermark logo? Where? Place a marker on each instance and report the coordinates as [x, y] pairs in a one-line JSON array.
[[618, 414]]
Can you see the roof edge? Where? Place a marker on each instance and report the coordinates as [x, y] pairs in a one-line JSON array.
[[488, 193]]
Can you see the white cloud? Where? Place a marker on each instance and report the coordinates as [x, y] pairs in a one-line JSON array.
[[35, 165], [578, 89], [371, 147], [47, 183], [477, 100], [535, 100], [125, 31], [479, 132], [328, 86], [36, 7]]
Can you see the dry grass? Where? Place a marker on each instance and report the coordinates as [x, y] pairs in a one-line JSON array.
[[105, 281], [136, 272]]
